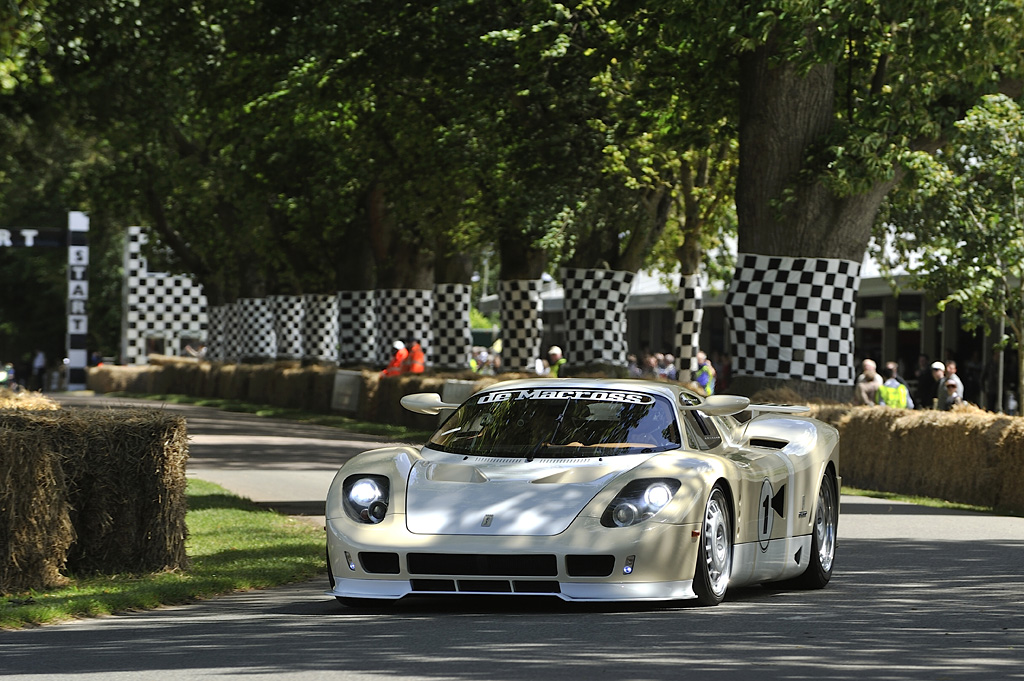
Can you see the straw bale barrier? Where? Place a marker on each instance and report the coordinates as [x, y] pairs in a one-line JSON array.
[[966, 455], [35, 525], [90, 491]]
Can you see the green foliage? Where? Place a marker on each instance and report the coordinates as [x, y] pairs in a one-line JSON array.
[[959, 230]]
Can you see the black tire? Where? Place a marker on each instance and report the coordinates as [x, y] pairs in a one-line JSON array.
[[714, 553], [823, 537]]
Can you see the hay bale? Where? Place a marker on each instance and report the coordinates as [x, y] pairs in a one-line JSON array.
[[35, 527], [1009, 447], [26, 400], [124, 483], [260, 384], [126, 488]]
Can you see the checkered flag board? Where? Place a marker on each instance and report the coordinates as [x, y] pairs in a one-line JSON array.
[[521, 326], [595, 315], [793, 318], [256, 323], [357, 319], [216, 348], [157, 305], [289, 313], [320, 327], [689, 315], [453, 341], [403, 314], [234, 335]]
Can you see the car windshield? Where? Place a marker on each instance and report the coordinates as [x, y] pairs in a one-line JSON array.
[[559, 423]]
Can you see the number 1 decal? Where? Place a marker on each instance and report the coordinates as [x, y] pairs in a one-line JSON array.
[[765, 517]]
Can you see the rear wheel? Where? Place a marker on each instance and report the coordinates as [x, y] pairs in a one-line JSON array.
[[823, 537], [714, 555]]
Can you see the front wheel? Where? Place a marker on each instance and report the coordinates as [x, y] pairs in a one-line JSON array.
[[714, 555], [823, 537]]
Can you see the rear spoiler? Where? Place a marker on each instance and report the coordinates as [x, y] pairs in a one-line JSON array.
[[727, 405]]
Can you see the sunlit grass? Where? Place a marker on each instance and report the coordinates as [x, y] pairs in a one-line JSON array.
[[233, 545], [923, 501]]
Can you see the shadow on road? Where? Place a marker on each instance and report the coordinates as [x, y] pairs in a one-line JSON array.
[[894, 610]]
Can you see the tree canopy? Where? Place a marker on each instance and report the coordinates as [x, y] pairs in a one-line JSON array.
[[303, 147], [960, 231]]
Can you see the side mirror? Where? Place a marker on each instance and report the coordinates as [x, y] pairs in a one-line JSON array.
[[425, 403], [720, 405]]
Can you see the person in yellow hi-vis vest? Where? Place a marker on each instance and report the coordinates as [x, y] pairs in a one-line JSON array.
[[892, 393]]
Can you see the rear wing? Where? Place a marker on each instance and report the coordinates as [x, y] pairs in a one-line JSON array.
[[728, 405]]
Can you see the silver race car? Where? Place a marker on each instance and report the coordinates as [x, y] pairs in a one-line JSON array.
[[589, 490]]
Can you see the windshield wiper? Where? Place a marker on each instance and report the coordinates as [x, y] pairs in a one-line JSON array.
[[540, 445]]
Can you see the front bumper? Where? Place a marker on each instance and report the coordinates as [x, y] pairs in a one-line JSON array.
[[586, 562]]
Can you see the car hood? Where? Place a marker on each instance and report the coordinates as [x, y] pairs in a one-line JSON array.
[[456, 495]]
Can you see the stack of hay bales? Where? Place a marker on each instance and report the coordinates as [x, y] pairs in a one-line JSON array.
[[89, 491]]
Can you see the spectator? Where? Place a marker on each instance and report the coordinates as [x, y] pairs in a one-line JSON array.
[[949, 374], [38, 370], [895, 366], [555, 360], [893, 392], [926, 383], [648, 366], [705, 375], [632, 367], [953, 397], [666, 367], [867, 383]]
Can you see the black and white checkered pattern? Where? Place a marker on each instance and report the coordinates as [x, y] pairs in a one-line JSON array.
[[216, 347], [289, 313], [320, 327], [234, 334], [689, 315], [156, 305], [357, 320], [453, 341], [256, 320], [403, 314], [793, 318], [521, 325], [595, 315]]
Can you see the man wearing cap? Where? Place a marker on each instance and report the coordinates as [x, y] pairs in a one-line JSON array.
[[952, 397], [938, 376], [555, 359]]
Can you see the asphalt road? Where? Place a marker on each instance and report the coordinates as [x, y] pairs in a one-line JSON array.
[[918, 593]]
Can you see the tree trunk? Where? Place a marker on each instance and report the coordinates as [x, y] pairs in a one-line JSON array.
[[522, 265], [792, 316]]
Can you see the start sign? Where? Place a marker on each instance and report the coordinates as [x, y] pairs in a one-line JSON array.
[[77, 242], [30, 237]]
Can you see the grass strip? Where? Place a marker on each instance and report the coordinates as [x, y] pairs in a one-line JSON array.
[[924, 501], [333, 420], [233, 545]]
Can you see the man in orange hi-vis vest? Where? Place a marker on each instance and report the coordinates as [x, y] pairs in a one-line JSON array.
[[417, 360], [397, 364]]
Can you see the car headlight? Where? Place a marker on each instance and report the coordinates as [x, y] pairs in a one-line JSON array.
[[366, 498], [638, 501]]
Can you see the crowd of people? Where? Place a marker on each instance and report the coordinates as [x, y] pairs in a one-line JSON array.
[[651, 365], [935, 385]]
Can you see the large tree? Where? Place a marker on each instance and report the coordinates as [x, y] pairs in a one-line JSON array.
[[831, 95]]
